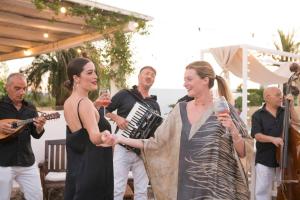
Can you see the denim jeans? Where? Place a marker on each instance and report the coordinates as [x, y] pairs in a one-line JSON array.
[[27, 177], [124, 161]]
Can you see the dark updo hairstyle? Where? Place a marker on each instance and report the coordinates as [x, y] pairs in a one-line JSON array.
[[75, 67]]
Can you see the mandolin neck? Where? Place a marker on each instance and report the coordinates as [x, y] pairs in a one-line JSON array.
[[21, 123]]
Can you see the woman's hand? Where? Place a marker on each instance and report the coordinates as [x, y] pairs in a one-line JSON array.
[[137, 143], [226, 121], [99, 101], [108, 139], [237, 139]]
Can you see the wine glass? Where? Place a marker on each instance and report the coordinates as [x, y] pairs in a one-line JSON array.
[[104, 98], [221, 106]]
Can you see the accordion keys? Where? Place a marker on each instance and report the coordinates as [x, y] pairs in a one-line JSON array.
[[143, 122]]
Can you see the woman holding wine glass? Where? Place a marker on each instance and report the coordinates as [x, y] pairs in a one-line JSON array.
[[88, 140], [103, 99], [189, 157]]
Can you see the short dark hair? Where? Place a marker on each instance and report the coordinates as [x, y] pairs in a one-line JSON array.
[[148, 67]]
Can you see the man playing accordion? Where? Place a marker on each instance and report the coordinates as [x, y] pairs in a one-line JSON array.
[[125, 159]]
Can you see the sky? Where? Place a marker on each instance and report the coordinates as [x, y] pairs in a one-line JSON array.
[[181, 28]]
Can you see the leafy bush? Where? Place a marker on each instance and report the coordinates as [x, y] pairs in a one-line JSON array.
[[255, 98], [2, 88], [40, 99]]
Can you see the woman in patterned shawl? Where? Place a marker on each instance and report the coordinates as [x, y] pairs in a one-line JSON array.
[[189, 157]]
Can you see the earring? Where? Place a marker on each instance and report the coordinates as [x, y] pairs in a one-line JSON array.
[[74, 85]]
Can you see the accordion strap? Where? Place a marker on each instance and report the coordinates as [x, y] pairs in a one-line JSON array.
[[137, 97]]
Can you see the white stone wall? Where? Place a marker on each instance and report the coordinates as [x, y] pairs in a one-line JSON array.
[[54, 129]]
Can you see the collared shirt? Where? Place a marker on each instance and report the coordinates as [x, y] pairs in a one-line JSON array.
[[264, 122], [17, 151], [123, 102]]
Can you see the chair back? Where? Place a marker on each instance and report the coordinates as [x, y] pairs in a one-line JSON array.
[[55, 155]]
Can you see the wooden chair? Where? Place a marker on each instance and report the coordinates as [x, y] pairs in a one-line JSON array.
[[53, 169]]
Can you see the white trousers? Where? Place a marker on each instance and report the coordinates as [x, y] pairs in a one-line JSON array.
[[27, 177], [264, 181], [124, 161]]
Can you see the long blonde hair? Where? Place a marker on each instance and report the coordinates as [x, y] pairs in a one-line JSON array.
[[204, 69]]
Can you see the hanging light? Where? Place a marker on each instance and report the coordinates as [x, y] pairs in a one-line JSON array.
[[27, 52], [78, 50], [45, 35], [132, 25], [63, 9]]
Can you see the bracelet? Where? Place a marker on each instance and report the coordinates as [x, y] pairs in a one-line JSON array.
[[238, 140]]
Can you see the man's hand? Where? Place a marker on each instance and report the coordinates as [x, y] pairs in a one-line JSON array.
[[39, 123], [277, 141], [6, 128], [122, 123], [291, 98]]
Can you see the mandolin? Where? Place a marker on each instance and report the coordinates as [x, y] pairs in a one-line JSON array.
[[19, 125]]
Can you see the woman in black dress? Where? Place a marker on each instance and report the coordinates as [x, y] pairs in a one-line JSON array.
[[89, 151]]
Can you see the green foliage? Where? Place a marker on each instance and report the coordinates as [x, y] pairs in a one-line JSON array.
[[40, 100], [3, 75], [55, 66], [117, 51], [240, 88], [287, 43], [2, 88], [255, 98]]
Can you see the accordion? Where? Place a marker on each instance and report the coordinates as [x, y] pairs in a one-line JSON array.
[[143, 121]]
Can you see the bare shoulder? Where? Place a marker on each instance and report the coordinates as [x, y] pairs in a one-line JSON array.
[[86, 105], [86, 101], [67, 102]]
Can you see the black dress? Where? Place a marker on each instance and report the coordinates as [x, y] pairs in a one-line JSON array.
[[89, 168]]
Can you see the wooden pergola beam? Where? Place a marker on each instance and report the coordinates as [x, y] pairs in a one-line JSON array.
[[15, 6], [14, 32], [6, 49], [63, 44], [26, 31], [18, 43], [102, 6], [40, 24]]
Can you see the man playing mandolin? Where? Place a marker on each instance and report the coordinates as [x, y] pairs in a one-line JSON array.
[[17, 160]]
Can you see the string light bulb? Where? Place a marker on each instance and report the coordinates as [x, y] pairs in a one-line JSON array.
[[132, 26], [45, 35], [63, 9], [27, 52]]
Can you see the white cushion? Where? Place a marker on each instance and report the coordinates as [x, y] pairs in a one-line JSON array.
[[56, 176]]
